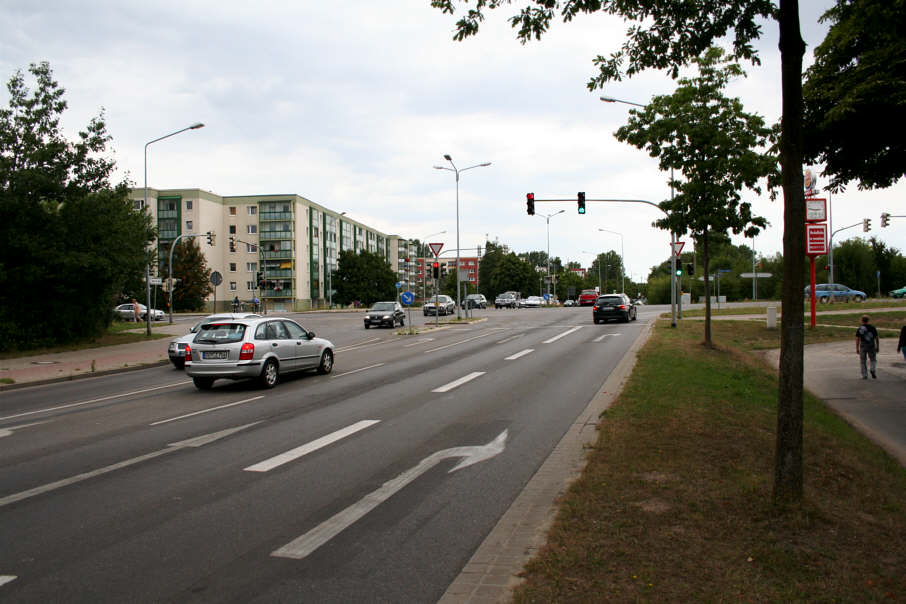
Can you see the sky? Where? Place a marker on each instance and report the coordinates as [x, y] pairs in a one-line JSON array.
[[353, 104]]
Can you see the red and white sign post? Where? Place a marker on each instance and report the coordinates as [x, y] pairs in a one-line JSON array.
[[815, 241]]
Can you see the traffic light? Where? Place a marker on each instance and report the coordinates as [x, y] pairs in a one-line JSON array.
[[690, 268], [530, 203], [581, 202], [435, 269], [232, 243], [885, 219], [259, 279], [679, 270], [210, 237], [866, 224]]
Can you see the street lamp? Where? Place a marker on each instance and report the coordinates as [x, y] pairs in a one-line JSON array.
[[547, 218], [622, 261], [425, 264], [608, 99], [455, 170], [195, 126]]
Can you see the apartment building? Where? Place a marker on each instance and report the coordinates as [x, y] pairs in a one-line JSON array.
[[292, 241]]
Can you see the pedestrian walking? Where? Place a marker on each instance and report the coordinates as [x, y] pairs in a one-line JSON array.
[[136, 310], [867, 347], [901, 344], [236, 304]]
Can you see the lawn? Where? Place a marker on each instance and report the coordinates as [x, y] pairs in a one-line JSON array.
[[675, 502], [119, 332]]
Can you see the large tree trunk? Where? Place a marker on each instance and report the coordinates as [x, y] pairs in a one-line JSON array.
[[788, 455]]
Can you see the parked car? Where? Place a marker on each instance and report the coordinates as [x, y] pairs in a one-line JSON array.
[[898, 293], [385, 313], [570, 302], [505, 301], [125, 312], [825, 292], [475, 301], [439, 305], [613, 306], [534, 302], [260, 348], [177, 348], [588, 297]]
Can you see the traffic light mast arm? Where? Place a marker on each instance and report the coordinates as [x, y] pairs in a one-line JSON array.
[[573, 200]]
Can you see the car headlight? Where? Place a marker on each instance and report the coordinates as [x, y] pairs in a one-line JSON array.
[[386, 316], [367, 317]]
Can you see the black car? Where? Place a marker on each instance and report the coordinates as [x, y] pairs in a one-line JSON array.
[[613, 306], [475, 301], [385, 313]]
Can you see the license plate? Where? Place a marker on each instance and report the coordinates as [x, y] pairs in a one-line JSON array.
[[217, 355]]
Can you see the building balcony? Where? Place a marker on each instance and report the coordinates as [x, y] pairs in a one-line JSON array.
[[269, 216], [167, 214], [275, 235], [167, 235], [278, 254], [278, 273], [277, 293]]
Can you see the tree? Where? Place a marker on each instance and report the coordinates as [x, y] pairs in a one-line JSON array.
[[667, 35], [364, 277], [713, 143], [855, 95], [69, 239], [189, 266]]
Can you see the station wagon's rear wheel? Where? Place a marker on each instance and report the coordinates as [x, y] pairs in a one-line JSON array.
[[203, 383], [269, 374], [326, 364]]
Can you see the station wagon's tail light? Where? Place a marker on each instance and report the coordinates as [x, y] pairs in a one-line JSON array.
[[595, 308], [622, 307], [247, 352], [188, 356]]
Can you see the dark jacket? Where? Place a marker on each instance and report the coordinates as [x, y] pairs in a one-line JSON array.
[[902, 343]]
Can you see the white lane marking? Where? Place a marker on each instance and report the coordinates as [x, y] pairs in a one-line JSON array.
[[484, 335], [505, 340], [356, 371], [293, 454], [95, 400], [362, 344], [564, 334], [198, 441], [9, 431], [4, 579], [301, 547], [422, 341], [606, 335], [522, 353], [459, 382], [173, 419]]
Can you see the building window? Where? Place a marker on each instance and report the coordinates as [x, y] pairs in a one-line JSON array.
[[232, 210], [232, 267], [253, 210], [188, 225], [251, 266], [138, 204], [251, 248], [232, 229], [250, 286], [251, 229], [232, 286], [188, 204]]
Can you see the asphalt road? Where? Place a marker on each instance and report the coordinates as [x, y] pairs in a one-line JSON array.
[[374, 483]]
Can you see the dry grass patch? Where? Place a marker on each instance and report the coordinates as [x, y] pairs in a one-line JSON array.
[[675, 502]]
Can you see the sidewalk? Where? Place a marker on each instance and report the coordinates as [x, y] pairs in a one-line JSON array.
[[61, 366]]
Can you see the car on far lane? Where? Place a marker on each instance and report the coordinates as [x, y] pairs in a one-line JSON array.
[[534, 302], [385, 313], [898, 293], [588, 297], [125, 312], [439, 305], [505, 301], [615, 307], [826, 292], [570, 302], [475, 301]]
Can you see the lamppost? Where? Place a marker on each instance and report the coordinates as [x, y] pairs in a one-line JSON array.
[[622, 261], [195, 126], [424, 242], [547, 218], [608, 99], [455, 170]]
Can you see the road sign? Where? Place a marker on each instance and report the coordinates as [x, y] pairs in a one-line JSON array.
[[677, 247], [436, 248], [547, 296], [399, 285], [155, 281], [216, 278], [815, 239], [753, 275], [407, 298], [815, 209]]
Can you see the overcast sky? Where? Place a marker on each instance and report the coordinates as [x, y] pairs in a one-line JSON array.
[[352, 104]]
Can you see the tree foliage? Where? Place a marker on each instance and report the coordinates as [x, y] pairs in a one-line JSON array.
[[69, 239], [189, 266], [855, 94], [363, 277]]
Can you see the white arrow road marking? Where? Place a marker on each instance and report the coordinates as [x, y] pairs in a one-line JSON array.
[[293, 454], [4, 579], [564, 334], [9, 431], [459, 382], [356, 370], [95, 400], [303, 546], [173, 419], [521, 353], [606, 335], [198, 441]]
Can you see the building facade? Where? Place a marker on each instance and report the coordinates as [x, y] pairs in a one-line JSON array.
[[291, 241]]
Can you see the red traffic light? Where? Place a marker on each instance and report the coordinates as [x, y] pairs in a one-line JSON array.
[[530, 203]]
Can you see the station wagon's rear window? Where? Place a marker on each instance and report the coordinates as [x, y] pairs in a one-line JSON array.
[[220, 333]]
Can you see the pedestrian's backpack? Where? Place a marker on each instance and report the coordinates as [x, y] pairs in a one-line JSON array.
[[867, 337]]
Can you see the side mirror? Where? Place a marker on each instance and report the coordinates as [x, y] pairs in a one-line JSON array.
[[311, 335]]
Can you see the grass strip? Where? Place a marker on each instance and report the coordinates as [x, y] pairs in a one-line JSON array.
[[675, 501]]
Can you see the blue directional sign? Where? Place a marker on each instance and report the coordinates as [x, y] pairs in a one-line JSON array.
[[407, 298], [399, 284], [547, 296]]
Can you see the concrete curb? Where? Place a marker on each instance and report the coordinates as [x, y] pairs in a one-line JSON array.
[[493, 571], [82, 376]]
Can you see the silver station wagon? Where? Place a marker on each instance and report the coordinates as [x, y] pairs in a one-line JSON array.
[[258, 348]]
